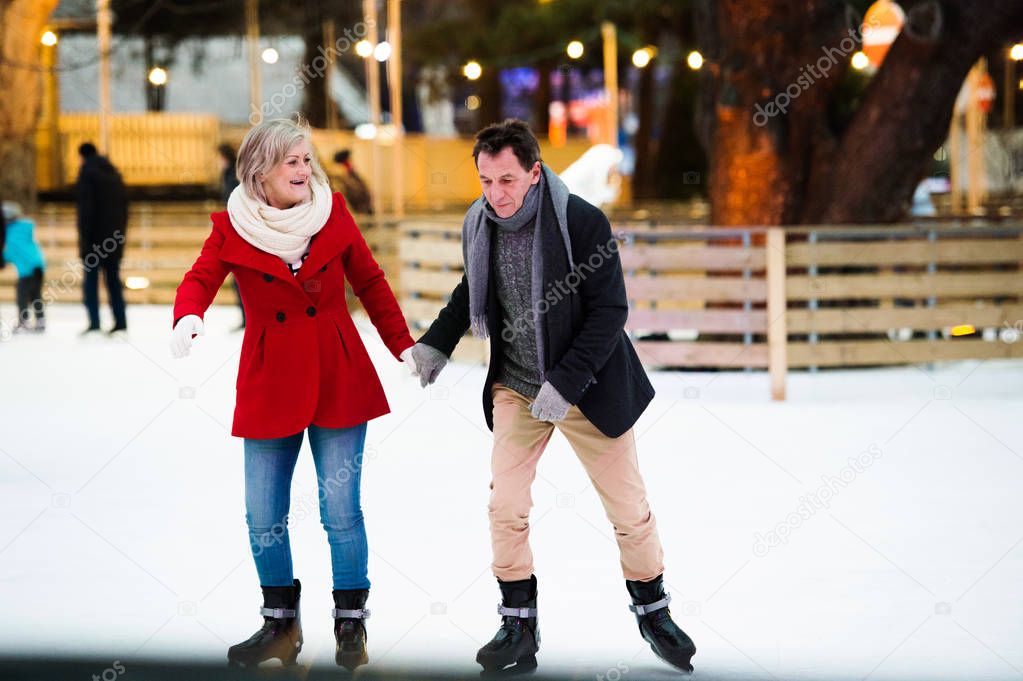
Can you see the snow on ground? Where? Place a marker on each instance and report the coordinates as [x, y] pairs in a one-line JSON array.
[[125, 534]]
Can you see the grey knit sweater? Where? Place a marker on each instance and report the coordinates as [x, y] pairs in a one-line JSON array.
[[513, 255]]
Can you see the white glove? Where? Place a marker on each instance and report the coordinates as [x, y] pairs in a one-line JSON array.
[[181, 337], [406, 356]]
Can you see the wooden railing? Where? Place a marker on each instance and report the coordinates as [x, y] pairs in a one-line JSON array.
[[773, 298], [150, 149], [737, 298], [163, 240], [897, 295]]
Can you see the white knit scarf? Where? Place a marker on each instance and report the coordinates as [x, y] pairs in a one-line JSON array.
[[286, 232]]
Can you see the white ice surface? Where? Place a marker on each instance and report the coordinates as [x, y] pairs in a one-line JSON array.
[[124, 534]]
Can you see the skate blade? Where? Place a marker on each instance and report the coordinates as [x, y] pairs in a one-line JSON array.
[[685, 666], [525, 665], [351, 661], [272, 666]]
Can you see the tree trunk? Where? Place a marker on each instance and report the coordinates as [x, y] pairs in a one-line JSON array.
[[643, 182], [774, 68], [642, 176], [543, 96], [906, 112], [490, 110], [21, 24]]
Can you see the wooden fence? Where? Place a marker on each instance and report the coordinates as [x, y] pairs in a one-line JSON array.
[[150, 149], [772, 298], [737, 298], [163, 240]]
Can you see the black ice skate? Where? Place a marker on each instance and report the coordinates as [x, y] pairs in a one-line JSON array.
[[349, 615], [650, 604], [281, 634], [513, 649]]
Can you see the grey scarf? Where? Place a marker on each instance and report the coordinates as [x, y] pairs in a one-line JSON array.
[[476, 250]]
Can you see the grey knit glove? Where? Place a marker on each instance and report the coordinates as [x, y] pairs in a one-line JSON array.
[[429, 361], [549, 405]]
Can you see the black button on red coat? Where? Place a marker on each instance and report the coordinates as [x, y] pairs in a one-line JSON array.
[[281, 316]]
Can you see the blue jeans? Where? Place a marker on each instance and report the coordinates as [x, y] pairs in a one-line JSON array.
[[269, 465]]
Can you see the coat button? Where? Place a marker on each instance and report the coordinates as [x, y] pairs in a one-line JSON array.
[[323, 269], [311, 311], [268, 277], [281, 316]]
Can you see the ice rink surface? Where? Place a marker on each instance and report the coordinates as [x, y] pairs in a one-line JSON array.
[[871, 526]]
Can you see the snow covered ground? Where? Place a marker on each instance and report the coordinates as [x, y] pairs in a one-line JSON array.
[[870, 526]]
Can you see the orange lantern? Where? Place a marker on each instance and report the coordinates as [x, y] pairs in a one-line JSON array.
[[881, 25], [984, 92]]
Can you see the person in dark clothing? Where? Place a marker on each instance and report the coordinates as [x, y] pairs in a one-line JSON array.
[[228, 181], [229, 171], [543, 281], [351, 185], [102, 225]]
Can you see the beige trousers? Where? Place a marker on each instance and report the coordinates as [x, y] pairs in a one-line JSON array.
[[611, 464]]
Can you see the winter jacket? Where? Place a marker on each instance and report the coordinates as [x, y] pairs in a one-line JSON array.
[[302, 359], [21, 248], [102, 209], [588, 356]]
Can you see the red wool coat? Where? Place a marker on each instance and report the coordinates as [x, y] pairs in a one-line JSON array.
[[302, 360]]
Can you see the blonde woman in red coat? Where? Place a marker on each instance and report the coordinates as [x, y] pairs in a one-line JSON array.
[[290, 244]]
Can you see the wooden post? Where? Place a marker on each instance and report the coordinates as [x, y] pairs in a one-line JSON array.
[[1009, 95], [610, 36], [954, 151], [777, 327], [394, 80], [255, 76], [329, 42], [369, 10], [51, 118], [976, 186], [103, 20]]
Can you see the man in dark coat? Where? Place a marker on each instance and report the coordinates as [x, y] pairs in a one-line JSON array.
[[544, 282], [102, 223]]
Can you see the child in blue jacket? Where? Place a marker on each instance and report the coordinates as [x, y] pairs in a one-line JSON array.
[[21, 249]]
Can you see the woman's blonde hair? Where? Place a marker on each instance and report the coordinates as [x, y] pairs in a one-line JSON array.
[[266, 145]]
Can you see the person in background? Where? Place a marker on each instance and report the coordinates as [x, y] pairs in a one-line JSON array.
[[228, 181], [102, 225], [351, 185], [21, 249]]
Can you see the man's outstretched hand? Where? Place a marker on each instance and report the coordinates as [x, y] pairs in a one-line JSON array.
[[429, 362]]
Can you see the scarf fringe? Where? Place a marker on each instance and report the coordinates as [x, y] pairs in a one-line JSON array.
[[479, 327]]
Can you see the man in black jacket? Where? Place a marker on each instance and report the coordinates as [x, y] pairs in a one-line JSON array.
[[102, 220], [544, 282]]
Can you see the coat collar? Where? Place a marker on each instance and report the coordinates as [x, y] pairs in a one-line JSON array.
[[326, 244]]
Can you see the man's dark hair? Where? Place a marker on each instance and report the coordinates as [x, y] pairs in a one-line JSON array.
[[87, 149], [342, 156], [509, 133]]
